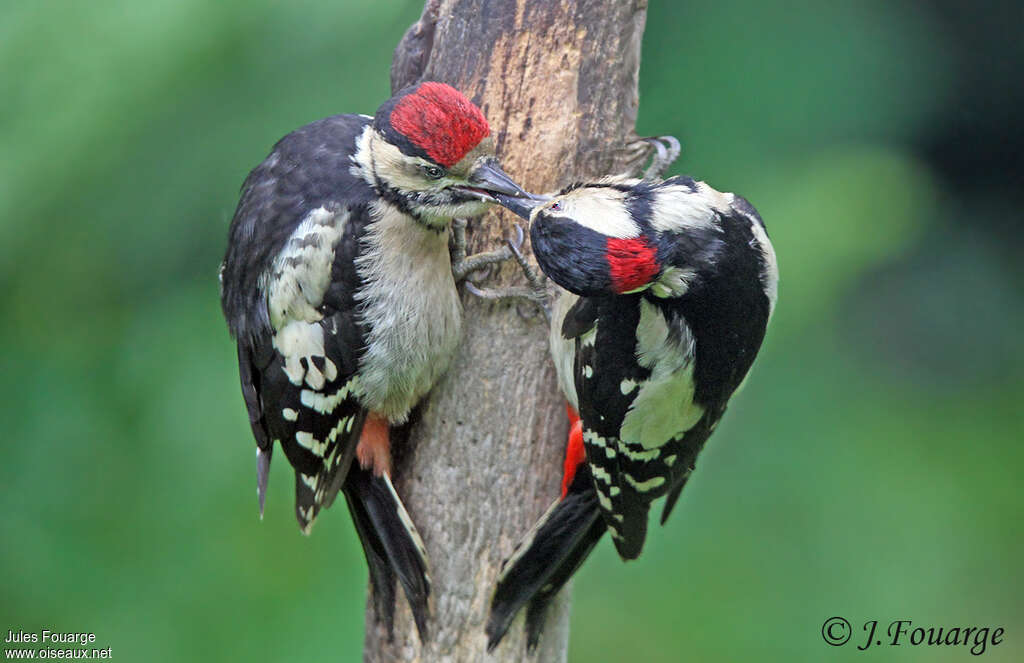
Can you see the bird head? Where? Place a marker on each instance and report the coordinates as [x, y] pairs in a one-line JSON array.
[[431, 153], [618, 236]]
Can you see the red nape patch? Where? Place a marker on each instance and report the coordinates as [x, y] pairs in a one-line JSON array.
[[632, 262], [574, 451], [438, 119]]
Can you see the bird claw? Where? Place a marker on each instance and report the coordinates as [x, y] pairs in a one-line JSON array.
[[470, 270], [664, 156], [663, 151], [524, 294], [535, 292], [520, 237], [464, 267]]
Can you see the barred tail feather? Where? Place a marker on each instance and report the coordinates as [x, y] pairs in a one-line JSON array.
[[392, 546], [543, 562]]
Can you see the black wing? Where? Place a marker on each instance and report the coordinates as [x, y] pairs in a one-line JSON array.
[[288, 281], [308, 387], [605, 360]]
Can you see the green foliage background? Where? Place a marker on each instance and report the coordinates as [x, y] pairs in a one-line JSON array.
[[870, 469]]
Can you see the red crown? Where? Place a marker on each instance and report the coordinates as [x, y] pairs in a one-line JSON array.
[[438, 119]]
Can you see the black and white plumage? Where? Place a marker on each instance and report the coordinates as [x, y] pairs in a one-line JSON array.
[[671, 286], [337, 285]]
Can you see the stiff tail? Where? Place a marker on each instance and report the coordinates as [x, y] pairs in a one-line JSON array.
[[545, 560], [392, 546]]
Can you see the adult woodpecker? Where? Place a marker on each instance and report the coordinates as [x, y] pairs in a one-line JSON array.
[[671, 285], [337, 285]]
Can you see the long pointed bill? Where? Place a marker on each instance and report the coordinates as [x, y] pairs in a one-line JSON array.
[[489, 177], [521, 206]]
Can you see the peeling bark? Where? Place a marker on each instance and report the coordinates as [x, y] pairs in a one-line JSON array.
[[557, 81]]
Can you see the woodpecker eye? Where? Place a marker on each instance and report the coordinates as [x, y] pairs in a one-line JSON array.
[[433, 172], [555, 207]]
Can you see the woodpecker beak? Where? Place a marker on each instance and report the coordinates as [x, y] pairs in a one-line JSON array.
[[522, 206], [488, 180]]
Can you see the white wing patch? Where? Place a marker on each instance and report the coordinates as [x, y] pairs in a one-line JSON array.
[[664, 407], [294, 288], [642, 456], [677, 209], [324, 403], [644, 486], [307, 440], [770, 277], [301, 340], [673, 282], [299, 277]]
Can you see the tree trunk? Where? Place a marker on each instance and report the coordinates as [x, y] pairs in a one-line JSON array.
[[557, 80]]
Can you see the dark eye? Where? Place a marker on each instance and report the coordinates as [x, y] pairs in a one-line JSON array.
[[555, 207], [433, 172]]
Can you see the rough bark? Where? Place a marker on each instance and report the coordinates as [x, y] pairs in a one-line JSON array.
[[557, 81]]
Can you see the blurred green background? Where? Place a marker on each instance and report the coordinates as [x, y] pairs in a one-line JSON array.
[[871, 468]]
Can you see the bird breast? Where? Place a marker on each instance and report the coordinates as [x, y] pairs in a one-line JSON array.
[[410, 308]]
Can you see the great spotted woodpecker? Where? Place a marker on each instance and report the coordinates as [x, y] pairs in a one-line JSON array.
[[338, 287], [671, 285]]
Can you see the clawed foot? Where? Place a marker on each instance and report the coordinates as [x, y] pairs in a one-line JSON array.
[[663, 151], [462, 265], [536, 290]]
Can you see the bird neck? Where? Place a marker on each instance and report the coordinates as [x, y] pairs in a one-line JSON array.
[[377, 161]]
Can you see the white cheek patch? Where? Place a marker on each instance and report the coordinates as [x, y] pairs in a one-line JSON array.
[[600, 209], [396, 169]]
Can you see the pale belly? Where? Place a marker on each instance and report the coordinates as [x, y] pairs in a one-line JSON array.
[[412, 313]]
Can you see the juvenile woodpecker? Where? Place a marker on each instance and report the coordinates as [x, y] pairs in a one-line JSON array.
[[671, 285], [338, 287]]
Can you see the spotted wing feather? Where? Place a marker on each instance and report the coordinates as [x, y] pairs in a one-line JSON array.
[[308, 390]]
